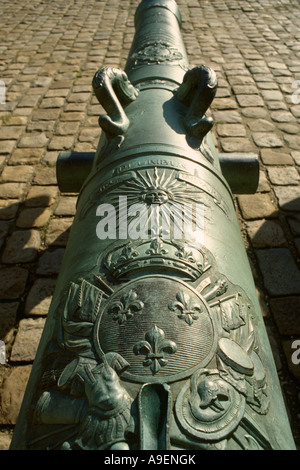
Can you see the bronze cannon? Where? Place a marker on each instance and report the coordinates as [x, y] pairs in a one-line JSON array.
[[155, 339]]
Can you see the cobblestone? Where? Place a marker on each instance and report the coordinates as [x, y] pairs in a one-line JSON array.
[[17, 174], [66, 206], [280, 271], [283, 176], [22, 247], [266, 139], [261, 125], [33, 141], [231, 130], [58, 231], [293, 141], [49, 262], [266, 233], [39, 298], [34, 217], [250, 100], [8, 319], [49, 52], [7, 147], [288, 197], [61, 143], [235, 144], [26, 156], [41, 196], [12, 393], [12, 190], [286, 314], [13, 282], [27, 339], [255, 206], [8, 208], [270, 157]]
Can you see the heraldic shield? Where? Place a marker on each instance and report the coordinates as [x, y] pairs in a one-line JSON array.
[[162, 327]]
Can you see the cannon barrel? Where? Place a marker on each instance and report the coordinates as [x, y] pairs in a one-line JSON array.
[[154, 339]]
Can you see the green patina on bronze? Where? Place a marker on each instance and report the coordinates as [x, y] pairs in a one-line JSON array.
[[154, 342]]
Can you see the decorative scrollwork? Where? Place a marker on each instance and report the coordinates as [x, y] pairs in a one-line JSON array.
[[113, 90], [156, 52], [197, 91]]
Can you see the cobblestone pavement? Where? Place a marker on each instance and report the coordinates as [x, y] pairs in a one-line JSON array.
[[49, 52]]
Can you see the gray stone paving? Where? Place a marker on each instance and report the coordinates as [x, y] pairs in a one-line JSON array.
[[49, 52]]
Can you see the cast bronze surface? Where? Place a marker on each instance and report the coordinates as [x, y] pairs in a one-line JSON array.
[[155, 341]]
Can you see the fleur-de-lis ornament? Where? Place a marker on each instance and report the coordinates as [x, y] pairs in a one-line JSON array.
[[157, 248], [125, 308], [188, 312], [154, 348], [127, 253], [184, 252]]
